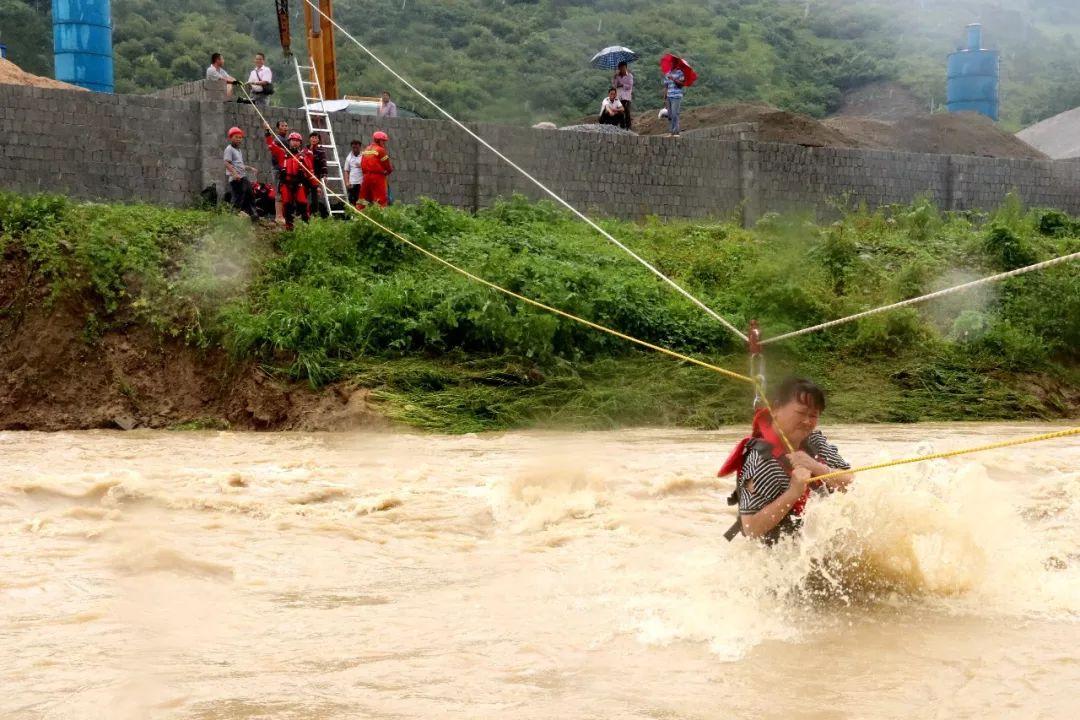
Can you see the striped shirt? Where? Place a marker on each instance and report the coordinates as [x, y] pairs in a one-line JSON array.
[[767, 478], [674, 92]]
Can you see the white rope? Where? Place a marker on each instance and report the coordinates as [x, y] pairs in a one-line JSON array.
[[924, 298], [536, 182]]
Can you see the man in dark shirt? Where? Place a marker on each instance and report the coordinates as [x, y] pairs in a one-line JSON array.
[[772, 484]]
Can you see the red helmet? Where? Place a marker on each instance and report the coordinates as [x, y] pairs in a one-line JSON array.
[[296, 136], [380, 135], [235, 131]]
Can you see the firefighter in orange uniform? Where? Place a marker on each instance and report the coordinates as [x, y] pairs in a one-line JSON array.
[[375, 166], [296, 173]]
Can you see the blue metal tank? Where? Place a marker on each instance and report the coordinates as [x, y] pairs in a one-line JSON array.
[[973, 77], [82, 43]]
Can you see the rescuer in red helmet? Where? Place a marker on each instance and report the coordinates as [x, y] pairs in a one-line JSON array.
[[296, 173], [375, 166], [238, 174]]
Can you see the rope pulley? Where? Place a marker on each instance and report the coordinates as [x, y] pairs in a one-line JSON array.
[[757, 363]]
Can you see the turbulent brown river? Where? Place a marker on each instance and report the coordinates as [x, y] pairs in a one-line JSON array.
[[529, 575]]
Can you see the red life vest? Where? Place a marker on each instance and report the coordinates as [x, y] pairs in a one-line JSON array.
[[763, 438], [296, 170]]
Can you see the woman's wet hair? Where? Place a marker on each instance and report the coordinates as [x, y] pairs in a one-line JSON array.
[[801, 390]]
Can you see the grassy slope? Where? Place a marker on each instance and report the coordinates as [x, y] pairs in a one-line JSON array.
[[338, 301]]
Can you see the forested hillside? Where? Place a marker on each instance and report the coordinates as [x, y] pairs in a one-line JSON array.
[[526, 60]]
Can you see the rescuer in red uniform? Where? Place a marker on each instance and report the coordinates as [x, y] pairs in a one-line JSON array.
[[375, 165], [296, 173]]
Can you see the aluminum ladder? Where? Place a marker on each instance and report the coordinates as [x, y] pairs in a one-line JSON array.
[[319, 121]]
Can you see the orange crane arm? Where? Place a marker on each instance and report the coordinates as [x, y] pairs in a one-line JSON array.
[[320, 41]]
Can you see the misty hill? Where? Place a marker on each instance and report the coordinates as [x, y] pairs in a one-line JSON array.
[[526, 60]]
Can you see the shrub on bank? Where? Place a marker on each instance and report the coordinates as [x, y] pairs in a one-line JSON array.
[[333, 300]]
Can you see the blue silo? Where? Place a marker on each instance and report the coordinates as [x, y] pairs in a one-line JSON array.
[[82, 43], [973, 77]]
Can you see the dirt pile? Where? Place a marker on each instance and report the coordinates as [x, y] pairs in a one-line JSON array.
[[881, 101], [12, 74], [56, 374], [774, 125], [1058, 137], [941, 134]]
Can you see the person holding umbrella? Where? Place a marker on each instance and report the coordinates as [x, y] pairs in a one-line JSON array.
[[618, 58], [677, 76], [623, 82]]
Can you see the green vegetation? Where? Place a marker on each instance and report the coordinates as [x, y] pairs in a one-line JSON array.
[[337, 301], [526, 60]]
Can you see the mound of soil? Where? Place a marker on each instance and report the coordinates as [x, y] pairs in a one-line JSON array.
[[1058, 137], [881, 101], [53, 377], [941, 133], [12, 74], [774, 125]]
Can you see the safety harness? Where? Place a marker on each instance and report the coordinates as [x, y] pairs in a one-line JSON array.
[[763, 439]]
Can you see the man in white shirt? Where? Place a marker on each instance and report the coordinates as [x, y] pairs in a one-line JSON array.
[[611, 110], [260, 82], [353, 174], [387, 108], [216, 71]]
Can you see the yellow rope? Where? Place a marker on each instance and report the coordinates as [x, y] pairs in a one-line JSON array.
[[651, 346], [954, 453], [505, 291]]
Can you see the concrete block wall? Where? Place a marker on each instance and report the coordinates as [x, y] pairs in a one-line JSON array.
[[99, 146], [194, 90], [793, 177], [166, 150], [614, 175]]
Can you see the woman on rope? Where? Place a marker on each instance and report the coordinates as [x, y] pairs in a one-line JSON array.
[[773, 484]]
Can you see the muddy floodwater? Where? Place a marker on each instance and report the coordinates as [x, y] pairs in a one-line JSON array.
[[529, 575]]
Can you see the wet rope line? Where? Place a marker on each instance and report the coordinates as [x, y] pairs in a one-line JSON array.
[[644, 343], [924, 298], [954, 453], [505, 291], [558, 198]]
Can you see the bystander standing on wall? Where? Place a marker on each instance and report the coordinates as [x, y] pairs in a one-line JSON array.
[[236, 173], [673, 97], [611, 110], [387, 108], [353, 174], [318, 165], [623, 82], [216, 71], [261, 82]]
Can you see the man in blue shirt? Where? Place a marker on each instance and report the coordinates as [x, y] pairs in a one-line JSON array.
[[673, 95]]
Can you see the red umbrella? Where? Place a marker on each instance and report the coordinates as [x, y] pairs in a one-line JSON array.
[[670, 62]]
